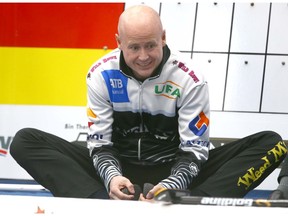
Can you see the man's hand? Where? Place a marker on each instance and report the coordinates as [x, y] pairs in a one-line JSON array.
[[150, 194], [118, 183]]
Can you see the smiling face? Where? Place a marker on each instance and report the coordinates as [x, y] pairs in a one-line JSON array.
[[141, 38]]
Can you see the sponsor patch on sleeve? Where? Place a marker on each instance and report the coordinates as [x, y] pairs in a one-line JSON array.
[[199, 124], [116, 83]]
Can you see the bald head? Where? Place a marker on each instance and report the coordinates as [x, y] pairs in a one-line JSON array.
[[138, 18], [141, 39]]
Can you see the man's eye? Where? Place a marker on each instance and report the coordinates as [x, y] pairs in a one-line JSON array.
[[134, 48], [151, 46]]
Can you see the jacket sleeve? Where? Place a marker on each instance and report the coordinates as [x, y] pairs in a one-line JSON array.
[[194, 114], [100, 119]]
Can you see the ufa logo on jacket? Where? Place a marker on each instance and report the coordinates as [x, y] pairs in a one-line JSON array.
[[199, 124], [168, 89]]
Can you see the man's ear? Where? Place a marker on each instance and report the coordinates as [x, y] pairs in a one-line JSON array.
[[118, 40], [163, 38]]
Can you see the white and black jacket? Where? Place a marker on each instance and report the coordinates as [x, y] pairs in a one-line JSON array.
[[162, 119]]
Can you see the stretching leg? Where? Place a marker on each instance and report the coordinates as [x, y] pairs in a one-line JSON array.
[[236, 168], [62, 167]]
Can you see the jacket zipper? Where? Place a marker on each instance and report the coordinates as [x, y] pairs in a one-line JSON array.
[[141, 123], [139, 149]]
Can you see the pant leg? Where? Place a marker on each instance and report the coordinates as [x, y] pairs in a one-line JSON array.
[[236, 168], [64, 168]]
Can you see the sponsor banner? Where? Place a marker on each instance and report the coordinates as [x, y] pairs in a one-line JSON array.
[[46, 50]]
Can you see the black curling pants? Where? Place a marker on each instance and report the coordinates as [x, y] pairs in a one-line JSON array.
[[66, 168]]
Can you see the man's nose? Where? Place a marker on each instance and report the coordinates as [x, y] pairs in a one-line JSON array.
[[143, 55]]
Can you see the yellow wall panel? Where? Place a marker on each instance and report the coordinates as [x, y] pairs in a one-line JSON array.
[[45, 76]]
